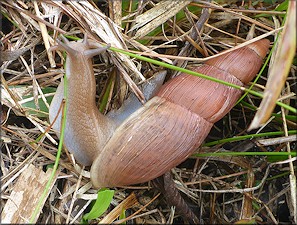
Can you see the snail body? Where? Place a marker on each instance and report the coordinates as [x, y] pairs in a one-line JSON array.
[[162, 133], [87, 130]]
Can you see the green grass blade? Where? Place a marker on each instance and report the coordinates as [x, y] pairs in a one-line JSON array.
[[248, 136], [166, 65]]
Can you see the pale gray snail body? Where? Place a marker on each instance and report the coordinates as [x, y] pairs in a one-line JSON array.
[[164, 131]]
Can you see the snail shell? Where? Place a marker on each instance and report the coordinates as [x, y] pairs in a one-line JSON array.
[[157, 136], [174, 123]]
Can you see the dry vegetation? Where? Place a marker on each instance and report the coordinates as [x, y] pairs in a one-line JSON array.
[[219, 189]]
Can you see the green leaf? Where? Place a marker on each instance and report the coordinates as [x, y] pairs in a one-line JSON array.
[[103, 201], [276, 158], [123, 215], [283, 6], [30, 105], [42, 106]]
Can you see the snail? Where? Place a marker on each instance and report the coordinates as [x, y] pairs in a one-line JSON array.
[[162, 133]]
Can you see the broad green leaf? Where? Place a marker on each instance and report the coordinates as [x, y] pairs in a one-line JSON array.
[[28, 100], [31, 105], [103, 201]]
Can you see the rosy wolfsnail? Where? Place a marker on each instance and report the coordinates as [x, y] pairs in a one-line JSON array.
[[164, 131]]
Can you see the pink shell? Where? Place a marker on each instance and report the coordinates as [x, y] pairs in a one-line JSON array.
[[173, 124]]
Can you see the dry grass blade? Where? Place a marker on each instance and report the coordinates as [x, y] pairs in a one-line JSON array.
[[45, 36], [25, 195], [116, 212], [156, 16], [285, 52], [115, 11]]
